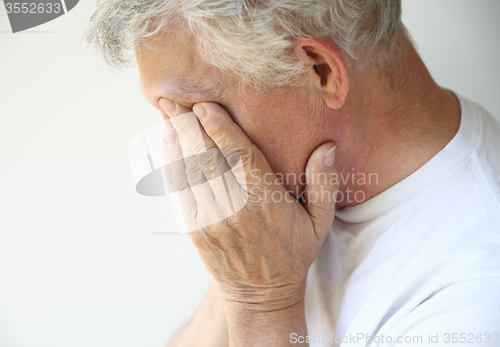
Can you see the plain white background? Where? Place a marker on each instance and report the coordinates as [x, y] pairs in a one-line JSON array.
[[83, 261]]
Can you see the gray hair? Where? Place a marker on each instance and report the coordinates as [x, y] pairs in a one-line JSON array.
[[251, 39]]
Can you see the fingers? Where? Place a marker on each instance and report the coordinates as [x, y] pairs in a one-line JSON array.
[[237, 148], [207, 170], [321, 188], [219, 126], [175, 170]]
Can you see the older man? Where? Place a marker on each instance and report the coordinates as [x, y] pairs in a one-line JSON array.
[[393, 234]]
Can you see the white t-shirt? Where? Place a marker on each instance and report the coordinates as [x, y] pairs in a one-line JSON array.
[[421, 258]]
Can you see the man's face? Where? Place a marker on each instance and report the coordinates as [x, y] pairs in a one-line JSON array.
[[285, 124]]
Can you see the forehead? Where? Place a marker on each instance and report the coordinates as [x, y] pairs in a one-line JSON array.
[[169, 62]]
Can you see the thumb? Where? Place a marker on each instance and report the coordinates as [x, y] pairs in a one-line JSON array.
[[322, 184]]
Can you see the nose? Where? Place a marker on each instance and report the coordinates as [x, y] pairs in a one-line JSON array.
[[146, 89], [151, 94]]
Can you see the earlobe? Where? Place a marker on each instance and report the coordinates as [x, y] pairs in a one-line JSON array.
[[329, 71]]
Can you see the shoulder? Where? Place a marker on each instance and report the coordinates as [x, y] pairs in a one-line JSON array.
[[486, 155], [467, 312]]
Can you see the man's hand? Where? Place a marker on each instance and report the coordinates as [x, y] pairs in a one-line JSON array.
[[256, 240]]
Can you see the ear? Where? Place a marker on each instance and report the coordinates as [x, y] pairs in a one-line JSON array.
[[329, 71]]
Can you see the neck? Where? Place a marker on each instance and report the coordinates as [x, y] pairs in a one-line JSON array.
[[391, 128]]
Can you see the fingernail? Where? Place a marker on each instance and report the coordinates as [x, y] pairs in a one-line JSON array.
[[200, 111], [168, 106], [169, 134], [329, 157]]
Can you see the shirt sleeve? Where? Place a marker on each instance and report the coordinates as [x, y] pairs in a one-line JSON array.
[[463, 314]]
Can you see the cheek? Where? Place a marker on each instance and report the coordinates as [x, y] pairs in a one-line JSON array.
[[286, 133], [287, 128]]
